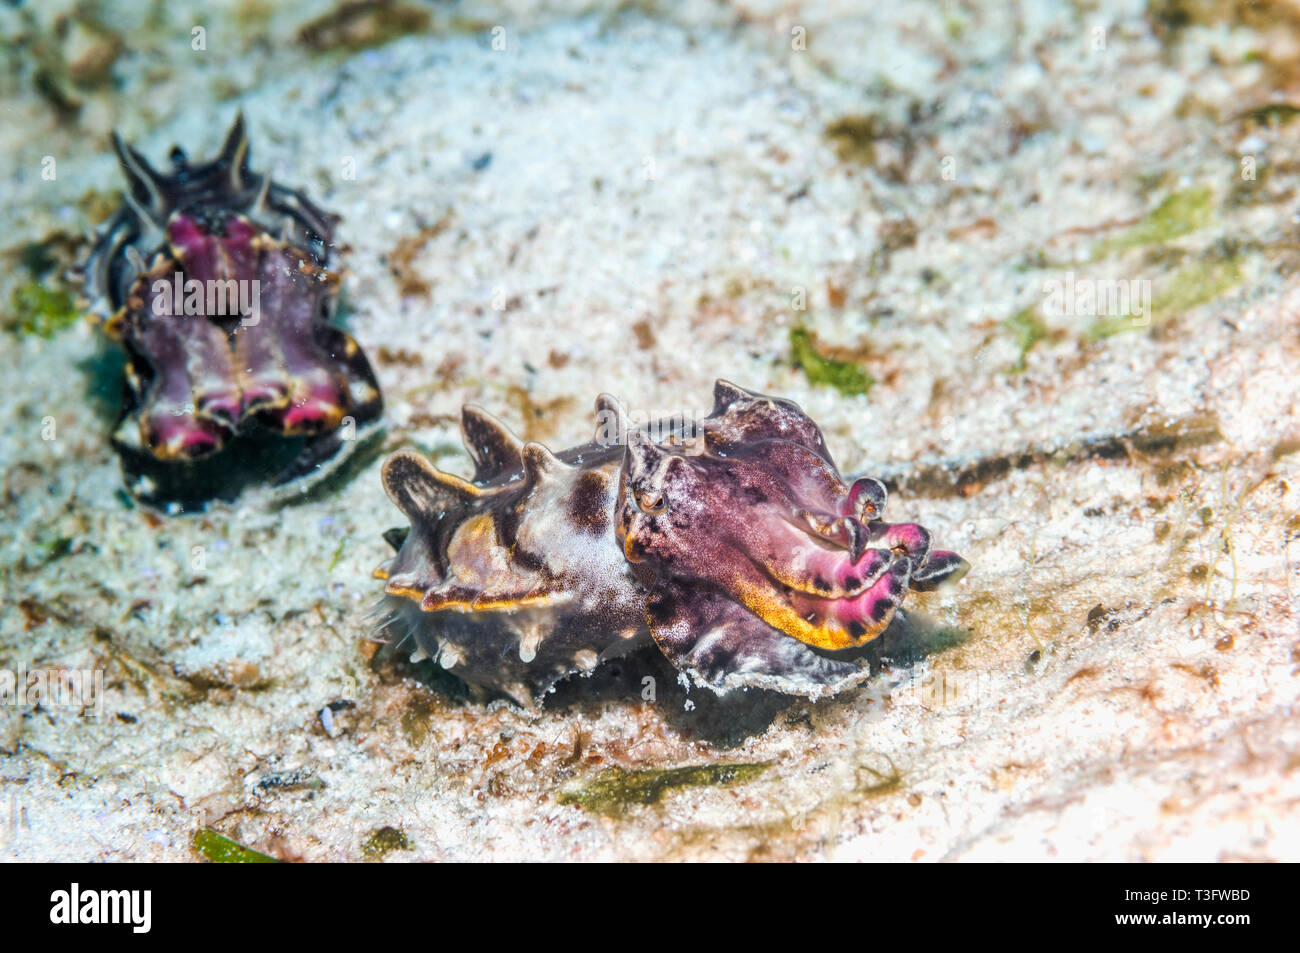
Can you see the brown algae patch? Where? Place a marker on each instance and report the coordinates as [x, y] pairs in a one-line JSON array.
[[614, 790], [360, 24], [1179, 214], [383, 841], [404, 256], [848, 379], [854, 138], [222, 850], [1197, 285], [875, 781], [1189, 288], [1028, 328], [35, 308]]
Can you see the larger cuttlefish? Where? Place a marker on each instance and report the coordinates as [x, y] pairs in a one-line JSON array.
[[732, 543]]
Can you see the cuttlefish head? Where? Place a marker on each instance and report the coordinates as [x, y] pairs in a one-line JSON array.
[[760, 514]]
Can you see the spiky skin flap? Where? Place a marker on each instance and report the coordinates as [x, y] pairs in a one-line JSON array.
[[216, 281], [733, 544]]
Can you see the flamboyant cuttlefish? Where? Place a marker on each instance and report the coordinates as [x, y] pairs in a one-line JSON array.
[[732, 543], [215, 280]]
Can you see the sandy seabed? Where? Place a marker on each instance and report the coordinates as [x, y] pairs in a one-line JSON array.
[[639, 202]]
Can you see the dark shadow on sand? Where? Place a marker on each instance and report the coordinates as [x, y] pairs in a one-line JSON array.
[[697, 713]]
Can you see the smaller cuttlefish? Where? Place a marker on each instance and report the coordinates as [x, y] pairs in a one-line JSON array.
[[216, 281], [732, 543]]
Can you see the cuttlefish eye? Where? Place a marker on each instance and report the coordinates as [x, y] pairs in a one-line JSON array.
[[867, 497], [651, 502]]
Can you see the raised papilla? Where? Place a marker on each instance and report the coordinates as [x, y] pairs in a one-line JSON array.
[[215, 280], [732, 543]]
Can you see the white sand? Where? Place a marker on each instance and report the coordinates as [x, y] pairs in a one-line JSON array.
[[671, 169]]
